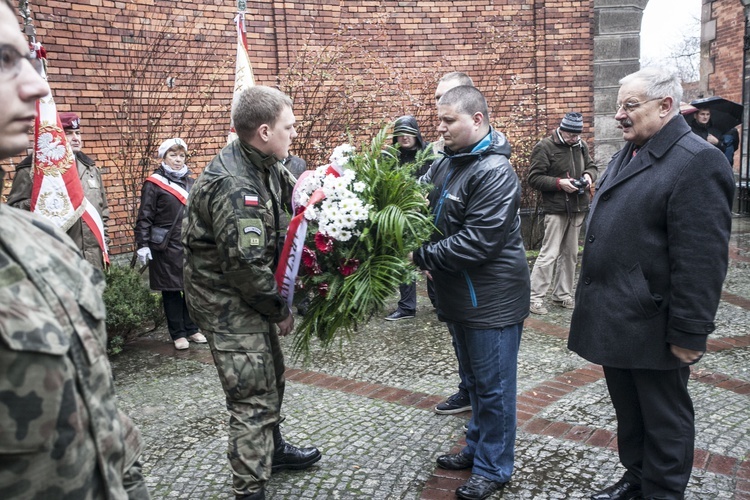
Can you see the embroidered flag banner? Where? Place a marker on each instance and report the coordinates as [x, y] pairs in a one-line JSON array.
[[243, 71], [56, 191]]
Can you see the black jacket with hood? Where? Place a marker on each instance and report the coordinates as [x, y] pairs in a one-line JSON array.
[[407, 125], [477, 258]]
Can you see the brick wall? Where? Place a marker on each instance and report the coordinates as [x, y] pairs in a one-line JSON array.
[[532, 58], [726, 49], [727, 54]]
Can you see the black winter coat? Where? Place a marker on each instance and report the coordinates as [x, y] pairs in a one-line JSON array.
[[656, 252], [477, 259], [162, 209]]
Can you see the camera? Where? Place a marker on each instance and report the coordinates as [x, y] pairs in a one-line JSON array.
[[581, 184]]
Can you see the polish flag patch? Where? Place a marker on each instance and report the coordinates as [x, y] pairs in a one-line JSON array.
[[251, 200]]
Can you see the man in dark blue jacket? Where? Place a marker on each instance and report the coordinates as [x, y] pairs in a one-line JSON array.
[[478, 265], [653, 265]]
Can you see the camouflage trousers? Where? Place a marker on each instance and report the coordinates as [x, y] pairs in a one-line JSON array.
[[251, 370]]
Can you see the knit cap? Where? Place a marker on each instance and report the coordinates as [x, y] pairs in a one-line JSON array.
[[572, 122]]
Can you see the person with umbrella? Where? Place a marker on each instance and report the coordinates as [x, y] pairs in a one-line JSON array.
[[703, 127], [715, 121]]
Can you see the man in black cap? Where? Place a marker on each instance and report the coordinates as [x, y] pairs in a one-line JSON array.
[[93, 190], [562, 170]]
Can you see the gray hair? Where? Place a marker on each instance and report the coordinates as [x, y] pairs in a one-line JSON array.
[[461, 78], [256, 106], [659, 82], [467, 99]]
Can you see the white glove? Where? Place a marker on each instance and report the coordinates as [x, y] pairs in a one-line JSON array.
[[144, 255]]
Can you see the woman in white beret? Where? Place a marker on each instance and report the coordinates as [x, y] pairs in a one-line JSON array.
[[157, 237]]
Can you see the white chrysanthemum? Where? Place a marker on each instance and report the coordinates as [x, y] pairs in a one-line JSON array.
[[340, 155], [359, 212], [348, 176], [347, 204], [311, 214], [302, 198], [358, 187]]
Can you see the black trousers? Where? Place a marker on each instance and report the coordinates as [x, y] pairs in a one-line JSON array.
[[179, 323], [408, 302], [655, 428]]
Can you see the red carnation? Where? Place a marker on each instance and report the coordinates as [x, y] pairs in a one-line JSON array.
[[310, 261], [323, 243], [348, 267], [323, 289]]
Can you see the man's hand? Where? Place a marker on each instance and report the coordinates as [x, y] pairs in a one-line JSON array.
[[286, 325], [567, 186], [712, 139], [687, 356]]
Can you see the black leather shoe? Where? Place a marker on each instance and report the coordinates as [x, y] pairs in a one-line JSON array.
[[621, 490], [287, 456], [478, 487], [455, 461]]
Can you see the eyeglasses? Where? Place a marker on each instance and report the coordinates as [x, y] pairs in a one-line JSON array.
[[631, 106], [11, 59]]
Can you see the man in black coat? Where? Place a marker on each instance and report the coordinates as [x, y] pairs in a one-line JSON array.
[[654, 261]]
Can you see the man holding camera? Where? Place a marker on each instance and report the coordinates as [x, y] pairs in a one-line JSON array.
[[562, 169]]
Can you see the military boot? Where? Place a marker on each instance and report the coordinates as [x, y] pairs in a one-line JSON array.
[[287, 456], [258, 495]]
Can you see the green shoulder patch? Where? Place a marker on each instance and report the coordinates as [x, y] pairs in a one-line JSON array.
[[252, 233]]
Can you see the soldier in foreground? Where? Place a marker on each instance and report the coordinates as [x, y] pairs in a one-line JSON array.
[[232, 238], [61, 434]]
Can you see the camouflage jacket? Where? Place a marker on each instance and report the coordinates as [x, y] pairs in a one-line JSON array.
[[93, 189], [61, 435], [232, 236]]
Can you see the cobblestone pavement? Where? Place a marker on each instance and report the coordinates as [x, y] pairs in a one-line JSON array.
[[368, 406]]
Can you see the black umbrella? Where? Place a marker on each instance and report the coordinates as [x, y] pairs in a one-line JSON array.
[[725, 114]]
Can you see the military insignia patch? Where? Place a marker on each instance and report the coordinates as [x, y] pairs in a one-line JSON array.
[[251, 200], [251, 232]]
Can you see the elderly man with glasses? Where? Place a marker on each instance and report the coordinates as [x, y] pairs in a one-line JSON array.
[[654, 262]]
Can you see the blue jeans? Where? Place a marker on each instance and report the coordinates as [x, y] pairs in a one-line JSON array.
[[489, 361]]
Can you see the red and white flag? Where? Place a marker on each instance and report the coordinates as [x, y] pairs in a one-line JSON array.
[[243, 71], [56, 191]]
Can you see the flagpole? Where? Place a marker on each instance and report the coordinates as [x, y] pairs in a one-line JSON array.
[[243, 76], [28, 24]]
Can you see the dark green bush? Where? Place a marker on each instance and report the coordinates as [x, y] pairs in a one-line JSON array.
[[131, 307]]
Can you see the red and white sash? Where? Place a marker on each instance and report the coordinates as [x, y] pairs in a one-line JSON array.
[[173, 189], [291, 254]]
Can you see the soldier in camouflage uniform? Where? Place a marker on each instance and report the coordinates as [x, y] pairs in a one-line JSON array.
[[61, 434], [232, 236]]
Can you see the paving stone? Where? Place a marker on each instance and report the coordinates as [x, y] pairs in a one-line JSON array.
[[368, 405]]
